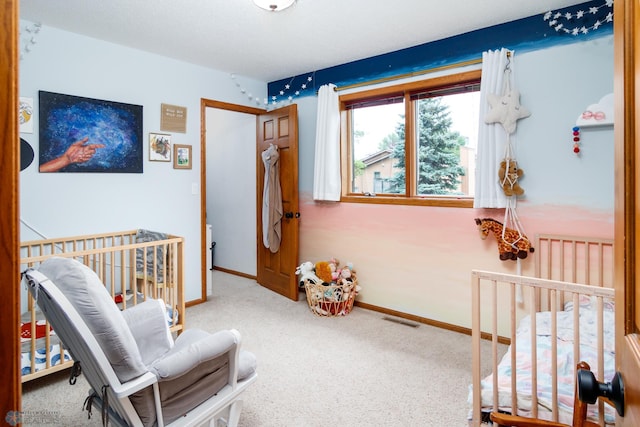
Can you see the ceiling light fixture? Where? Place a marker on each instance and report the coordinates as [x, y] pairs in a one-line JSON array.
[[274, 5]]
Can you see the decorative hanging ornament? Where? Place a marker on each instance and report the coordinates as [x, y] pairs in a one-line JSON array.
[[506, 110], [576, 139]]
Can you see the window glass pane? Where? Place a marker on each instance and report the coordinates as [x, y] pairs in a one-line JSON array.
[[378, 148], [446, 140]]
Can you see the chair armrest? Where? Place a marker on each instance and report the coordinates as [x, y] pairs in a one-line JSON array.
[[134, 385], [192, 347], [516, 421], [147, 322]]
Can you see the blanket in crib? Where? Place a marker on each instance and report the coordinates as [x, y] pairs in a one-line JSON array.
[[41, 358], [144, 256], [565, 363]]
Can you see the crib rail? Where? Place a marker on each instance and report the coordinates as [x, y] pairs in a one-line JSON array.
[[496, 313], [130, 270], [574, 259]]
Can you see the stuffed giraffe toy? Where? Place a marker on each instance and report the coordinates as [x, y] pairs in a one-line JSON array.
[[514, 245]]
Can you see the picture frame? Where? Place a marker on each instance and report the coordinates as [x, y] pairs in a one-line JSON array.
[[159, 147], [182, 158], [102, 136]]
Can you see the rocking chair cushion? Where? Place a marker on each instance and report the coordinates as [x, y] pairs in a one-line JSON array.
[[87, 294], [147, 322], [196, 368]]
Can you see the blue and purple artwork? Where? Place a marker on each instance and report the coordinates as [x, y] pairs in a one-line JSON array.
[[89, 135]]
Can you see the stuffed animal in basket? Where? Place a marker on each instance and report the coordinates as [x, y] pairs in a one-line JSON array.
[[323, 271], [509, 173], [335, 272], [307, 274]]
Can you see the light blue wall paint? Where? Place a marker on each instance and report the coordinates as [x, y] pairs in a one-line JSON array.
[[67, 204], [556, 85]]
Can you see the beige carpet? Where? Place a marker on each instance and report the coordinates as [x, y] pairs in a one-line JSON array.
[[356, 370]]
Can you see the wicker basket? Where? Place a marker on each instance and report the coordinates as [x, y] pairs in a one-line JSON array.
[[330, 300]]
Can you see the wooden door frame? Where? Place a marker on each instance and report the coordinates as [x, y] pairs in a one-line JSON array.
[[204, 104], [10, 392], [627, 187]]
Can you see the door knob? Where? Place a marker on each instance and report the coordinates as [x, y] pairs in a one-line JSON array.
[[288, 215], [589, 389]]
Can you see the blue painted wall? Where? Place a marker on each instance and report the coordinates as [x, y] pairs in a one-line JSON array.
[[522, 35]]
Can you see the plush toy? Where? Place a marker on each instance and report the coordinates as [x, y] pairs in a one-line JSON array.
[[512, 246], [323, 271], [306, 273], [345, 276], [335, 272], [506, 110], [509, 173]]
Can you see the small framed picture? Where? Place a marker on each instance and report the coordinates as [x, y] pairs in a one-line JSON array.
[[159, 147], [181, 156]]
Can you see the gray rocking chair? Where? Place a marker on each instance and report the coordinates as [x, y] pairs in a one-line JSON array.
[[140, 376]]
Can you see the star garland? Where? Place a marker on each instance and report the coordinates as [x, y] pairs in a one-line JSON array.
[[28, 38], [569, 23], [284, 95]]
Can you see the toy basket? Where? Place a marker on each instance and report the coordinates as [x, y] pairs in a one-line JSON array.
[[330, 300]]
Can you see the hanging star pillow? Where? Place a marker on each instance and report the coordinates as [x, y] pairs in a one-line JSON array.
[[506, 110]]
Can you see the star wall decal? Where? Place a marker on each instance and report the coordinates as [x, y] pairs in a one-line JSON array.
[[506, 110]]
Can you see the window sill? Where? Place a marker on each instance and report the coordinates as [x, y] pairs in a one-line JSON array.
[[449, 202]]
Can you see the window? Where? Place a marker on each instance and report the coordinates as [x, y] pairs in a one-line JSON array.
[[412, 143]]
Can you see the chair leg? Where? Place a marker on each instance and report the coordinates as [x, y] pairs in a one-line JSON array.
[[234, 413]]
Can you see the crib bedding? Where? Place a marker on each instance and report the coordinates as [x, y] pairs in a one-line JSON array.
[[565, 363], [41, 359]]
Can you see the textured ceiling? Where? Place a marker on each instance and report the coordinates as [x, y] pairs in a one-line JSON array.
[[235, 36]]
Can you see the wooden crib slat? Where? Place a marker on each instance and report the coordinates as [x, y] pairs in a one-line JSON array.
[[534, 353], [554, 355], [600, 346], [475, 350], [513, 327]]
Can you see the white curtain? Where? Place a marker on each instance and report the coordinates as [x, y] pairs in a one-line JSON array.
[[492, 138], [326, 172]]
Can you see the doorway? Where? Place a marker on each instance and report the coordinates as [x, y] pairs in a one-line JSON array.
[[231, 183]]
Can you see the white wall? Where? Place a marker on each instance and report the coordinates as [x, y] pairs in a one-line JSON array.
[[231, 188], [161, 199]]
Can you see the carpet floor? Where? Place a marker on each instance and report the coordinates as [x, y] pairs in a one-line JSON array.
[[363, 369]]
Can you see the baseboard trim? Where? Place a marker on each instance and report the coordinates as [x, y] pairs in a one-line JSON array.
[[426, 321], [235, 273], [414, 318]]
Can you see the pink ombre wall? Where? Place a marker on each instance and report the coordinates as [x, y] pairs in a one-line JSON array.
[[418, 259]]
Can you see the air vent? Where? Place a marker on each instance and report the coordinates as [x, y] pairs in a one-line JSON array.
[[401, 321]]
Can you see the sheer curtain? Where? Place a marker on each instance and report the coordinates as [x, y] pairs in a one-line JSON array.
[[326, 172], [492, 138]]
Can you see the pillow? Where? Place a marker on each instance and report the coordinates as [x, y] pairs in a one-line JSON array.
[[89, 297]]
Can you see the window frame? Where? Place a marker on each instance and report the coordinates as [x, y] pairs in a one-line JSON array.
[[405, 90]]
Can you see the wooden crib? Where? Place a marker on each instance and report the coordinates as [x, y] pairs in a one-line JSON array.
[[572, 303], [133, 265]]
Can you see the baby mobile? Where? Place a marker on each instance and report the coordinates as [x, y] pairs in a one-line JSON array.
[[505, 109]]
